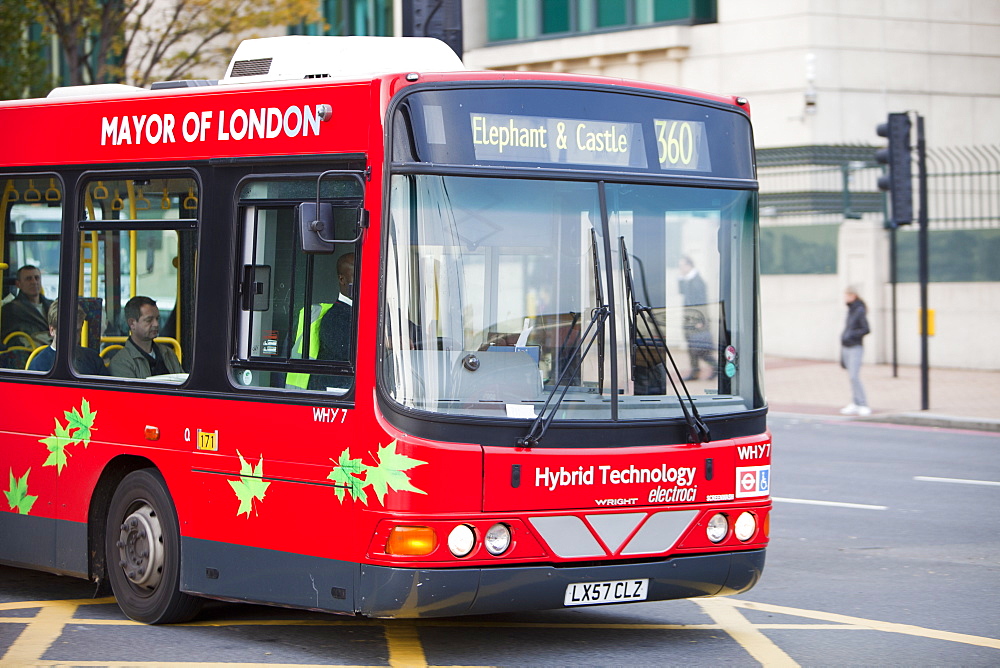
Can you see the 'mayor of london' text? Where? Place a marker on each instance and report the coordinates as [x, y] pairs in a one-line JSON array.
[[236, 124], [604, 475]]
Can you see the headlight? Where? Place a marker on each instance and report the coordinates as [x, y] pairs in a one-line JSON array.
[[497, 539], [717, 528], [461, 540], [746, 525]]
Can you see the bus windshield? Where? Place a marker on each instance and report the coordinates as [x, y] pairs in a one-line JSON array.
[[492, 283]]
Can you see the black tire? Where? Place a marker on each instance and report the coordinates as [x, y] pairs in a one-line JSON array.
[[142, 552]]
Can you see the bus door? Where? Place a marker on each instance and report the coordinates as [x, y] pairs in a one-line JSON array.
[[297, 322]]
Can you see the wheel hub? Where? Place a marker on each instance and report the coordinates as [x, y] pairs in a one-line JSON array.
[[140, 547]]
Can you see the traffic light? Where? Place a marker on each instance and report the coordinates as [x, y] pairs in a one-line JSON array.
[[898, 180], [434, 18]]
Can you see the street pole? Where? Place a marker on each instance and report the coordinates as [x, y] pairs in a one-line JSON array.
[[923, 261], [892, 276]]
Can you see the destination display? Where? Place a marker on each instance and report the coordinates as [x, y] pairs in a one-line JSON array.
[[557, 140], [680, 145], [528, 126]]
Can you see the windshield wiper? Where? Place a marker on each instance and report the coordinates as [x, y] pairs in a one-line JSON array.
[[541, 423], [698, 431], [599, 296]]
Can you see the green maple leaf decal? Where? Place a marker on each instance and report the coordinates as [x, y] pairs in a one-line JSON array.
[[56, 443], [82, 422], [391, 472], [17, 496], [345, 474], [250, 486], [79, 428]]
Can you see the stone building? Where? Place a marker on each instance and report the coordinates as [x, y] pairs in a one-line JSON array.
[[820, 75]]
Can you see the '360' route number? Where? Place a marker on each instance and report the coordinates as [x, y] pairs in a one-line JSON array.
[[675, 142]]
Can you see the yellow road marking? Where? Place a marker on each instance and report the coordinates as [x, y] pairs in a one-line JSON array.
[[748, 635], [21, 605], [405, 650], [346, 621], [177, 664], [41, 631], [875, 625]]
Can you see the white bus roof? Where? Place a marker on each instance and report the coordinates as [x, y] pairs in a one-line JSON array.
[[305, 57]]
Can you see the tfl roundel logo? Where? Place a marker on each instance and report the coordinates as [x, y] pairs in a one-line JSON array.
[[753, 481]]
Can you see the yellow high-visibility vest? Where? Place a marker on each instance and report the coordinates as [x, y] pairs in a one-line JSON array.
[[316, 313]]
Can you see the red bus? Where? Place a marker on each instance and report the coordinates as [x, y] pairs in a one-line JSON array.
[[380, 336]]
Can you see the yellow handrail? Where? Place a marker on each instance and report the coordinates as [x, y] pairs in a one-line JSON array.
[[92, 245], [93, 259], [9, 196], [3, 265], [177, 302], [160, 339], [33, 354], [13, 348], [25, 335], [133, 274]]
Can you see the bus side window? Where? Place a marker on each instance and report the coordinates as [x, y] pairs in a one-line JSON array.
[[138, 243], [296, 321], [31, 216]]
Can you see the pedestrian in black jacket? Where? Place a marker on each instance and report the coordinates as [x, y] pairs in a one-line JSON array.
[[852, 351]]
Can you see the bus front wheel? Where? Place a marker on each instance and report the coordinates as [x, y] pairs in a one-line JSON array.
[[142, 551]]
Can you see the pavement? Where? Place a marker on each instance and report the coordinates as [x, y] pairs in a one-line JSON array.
[[957, 398]]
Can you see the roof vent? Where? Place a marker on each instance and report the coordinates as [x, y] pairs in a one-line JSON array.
[[251, 68], [299, 57]]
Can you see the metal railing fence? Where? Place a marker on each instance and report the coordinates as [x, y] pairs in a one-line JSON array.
[[803, 185]]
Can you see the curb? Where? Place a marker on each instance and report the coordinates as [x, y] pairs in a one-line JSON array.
[[934, 420], [914, 419]]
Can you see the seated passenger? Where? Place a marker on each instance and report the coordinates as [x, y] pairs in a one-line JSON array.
[[27, 312], [85, 360], [141, 357]]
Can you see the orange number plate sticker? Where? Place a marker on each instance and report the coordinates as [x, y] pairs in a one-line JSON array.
[[208, 440]]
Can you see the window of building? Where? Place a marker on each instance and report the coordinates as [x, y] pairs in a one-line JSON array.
[[611, 14], [501, 20], [350, 17], [509, 20], [556, 16]]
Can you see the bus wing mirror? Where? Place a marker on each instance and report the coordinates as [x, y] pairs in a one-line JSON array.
[[316, 223], [316, 227]]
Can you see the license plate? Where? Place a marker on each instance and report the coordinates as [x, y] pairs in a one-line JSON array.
[[614, 591]]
